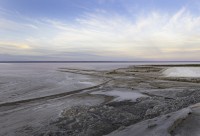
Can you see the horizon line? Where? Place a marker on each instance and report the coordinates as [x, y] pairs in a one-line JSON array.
[[89, 61]]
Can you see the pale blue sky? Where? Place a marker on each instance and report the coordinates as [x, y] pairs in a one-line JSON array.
[[99, 30]]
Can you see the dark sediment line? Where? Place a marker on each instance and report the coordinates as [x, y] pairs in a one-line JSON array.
[[154, 95], [90, 74], [51, 96], [84, 70]]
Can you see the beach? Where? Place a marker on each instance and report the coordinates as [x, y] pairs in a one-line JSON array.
[[99, 99]]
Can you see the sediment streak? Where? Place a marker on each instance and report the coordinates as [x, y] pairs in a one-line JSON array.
[[52, 96]]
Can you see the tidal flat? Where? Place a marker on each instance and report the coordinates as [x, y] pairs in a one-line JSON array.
[[99, 99]]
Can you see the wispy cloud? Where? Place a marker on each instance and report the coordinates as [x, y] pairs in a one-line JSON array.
[[156, 36]]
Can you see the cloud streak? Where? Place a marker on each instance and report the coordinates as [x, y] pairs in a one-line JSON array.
[[153, 36]]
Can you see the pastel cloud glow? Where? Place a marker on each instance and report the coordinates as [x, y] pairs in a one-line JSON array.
[[102, 35]]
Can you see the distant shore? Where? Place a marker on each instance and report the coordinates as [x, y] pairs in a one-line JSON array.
[[99, 61]]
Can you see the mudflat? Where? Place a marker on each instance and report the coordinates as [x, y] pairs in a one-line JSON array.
[[146, 98]]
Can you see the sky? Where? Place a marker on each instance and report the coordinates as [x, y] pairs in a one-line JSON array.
[[99, 30]]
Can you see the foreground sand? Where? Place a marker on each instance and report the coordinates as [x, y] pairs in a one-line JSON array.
[[159, 96]]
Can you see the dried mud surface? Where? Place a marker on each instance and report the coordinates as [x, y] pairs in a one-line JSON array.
[[164, 95]]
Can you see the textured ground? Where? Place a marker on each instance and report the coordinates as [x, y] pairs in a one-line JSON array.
[[124, 97], [163, 95]]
